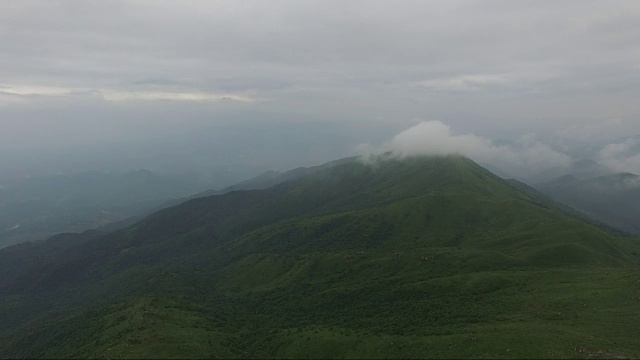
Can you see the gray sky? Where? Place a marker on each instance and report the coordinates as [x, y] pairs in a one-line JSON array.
[[80, 73]]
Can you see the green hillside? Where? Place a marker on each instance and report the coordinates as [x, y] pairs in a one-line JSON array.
[[427, 257]]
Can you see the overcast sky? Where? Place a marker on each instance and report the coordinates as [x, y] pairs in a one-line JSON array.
[[88, 72]]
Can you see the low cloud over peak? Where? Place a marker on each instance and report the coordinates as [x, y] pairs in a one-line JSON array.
[[522, 159]]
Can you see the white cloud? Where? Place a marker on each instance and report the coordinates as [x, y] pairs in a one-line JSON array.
[[38, 90], [465, 82], [622, 156], [14, 92], [110, 95], [435, 138]]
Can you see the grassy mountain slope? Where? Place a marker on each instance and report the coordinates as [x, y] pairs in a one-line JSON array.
[[260, 182], [423, 257]]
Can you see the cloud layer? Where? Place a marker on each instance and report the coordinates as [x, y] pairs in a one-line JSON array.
[[77, 73], [492, 66]]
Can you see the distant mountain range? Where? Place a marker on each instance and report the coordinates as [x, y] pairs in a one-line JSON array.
[[613, 199], [593, 189], [38, 207], [422, 257]]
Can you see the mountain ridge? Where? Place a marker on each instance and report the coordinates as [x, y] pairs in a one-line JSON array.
[[329, 250], [612, 199]]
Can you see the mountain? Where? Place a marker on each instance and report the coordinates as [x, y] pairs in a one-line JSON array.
[[271, 178], [36, 208], [260, 182], [582, 168], [421, 257], [613, 199]]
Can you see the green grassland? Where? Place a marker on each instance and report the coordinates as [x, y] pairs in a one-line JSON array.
[[418, 258]]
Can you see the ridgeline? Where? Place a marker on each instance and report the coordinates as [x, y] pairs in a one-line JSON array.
[[424, 257]]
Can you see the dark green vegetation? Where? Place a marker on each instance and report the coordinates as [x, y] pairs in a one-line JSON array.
[[613, 199], [424, 257], [272, 178], [38, 207]]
